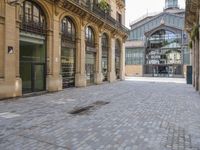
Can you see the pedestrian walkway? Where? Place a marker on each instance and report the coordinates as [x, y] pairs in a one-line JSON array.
[[136, 114]]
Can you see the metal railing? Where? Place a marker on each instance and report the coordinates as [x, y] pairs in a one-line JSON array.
[[94, 8], [33, 27]]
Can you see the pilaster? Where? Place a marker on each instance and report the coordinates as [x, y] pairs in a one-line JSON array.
[[54, 79], [122, 62], [80, 77], [199, 52], [196, 64], [2, 36], [111, 73], [193, 63], [98, 74], [10, 83]]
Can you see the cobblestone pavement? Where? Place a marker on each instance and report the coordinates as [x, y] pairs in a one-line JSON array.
[[139, 116]]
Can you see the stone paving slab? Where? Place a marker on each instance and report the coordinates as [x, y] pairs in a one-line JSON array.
[[150, 115]]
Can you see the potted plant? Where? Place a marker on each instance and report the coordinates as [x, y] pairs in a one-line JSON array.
[[103, 5]]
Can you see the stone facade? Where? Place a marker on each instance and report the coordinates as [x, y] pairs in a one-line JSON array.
[[55, 11], [192, 25]]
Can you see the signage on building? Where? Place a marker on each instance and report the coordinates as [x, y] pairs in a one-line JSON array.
[[10, 50]]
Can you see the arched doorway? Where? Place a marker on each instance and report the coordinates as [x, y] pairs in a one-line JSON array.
[[117, 58], [32, 47], [163, 53], [105, 50], [68, 49], [90, 61]]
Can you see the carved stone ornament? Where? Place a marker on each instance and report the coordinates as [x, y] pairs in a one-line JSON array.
[[14, 2]]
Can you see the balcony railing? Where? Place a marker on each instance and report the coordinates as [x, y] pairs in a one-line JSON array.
[[33, 27], [94, 8]]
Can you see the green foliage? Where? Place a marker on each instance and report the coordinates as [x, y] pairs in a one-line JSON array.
[[194, 33], [103, 5], [190, 45]]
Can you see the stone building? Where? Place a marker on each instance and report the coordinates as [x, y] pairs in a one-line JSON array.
[[48, 45], [157, 44], [192, 25]]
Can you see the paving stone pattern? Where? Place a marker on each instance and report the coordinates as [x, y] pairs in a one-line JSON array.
[[139, 116]]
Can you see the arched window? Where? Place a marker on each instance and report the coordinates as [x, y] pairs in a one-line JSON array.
[[117, 58], [117, 48], [89, 35], [163, 38], [105, 49], [105, 41], [33, 18], [68, 52], [163, 53], [68, 29], [90, 62], [32, 44]]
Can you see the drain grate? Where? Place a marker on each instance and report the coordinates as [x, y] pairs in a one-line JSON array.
[[87, 109], [101, 103], [80, 110]]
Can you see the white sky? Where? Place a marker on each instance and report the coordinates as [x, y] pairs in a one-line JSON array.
[[137, 8]]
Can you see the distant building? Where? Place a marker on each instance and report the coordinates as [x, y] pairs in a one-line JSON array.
[[157, 44]]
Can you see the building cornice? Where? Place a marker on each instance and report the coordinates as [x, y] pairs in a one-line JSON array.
[[93, 15]]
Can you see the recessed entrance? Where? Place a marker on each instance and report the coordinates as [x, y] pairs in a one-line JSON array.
[[32, 66]]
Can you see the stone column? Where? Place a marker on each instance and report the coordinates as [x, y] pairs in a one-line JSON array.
[[196, 64], [122, 62], [193, 63], [80, 77], [10, 83], [98, 74], [111, 73], [54, 79], [2, 35], [191, 56], [199, 52]]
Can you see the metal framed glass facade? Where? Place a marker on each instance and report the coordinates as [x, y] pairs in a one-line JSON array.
[[164, 53], [135, 56], [138, 32], [164, 47], [163, 40]]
